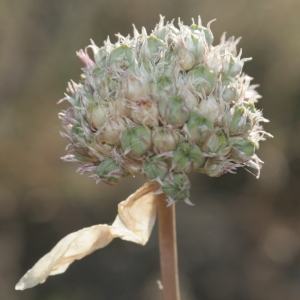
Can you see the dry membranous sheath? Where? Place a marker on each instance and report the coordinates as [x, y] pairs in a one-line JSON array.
[[162, 105]]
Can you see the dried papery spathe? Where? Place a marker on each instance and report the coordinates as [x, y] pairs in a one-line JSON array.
[[134, 223]]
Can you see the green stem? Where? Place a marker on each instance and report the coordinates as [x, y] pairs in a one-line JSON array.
[[168, 249]]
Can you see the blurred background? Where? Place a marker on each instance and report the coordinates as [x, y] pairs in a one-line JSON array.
[[242, 238]]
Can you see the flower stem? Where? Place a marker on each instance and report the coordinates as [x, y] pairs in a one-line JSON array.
[[168, 249]]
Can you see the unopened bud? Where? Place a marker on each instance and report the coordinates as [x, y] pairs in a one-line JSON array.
[[217, 142], [165, 87], [186, 58], [173, 111], [136, 141], [176, 186], [232, 66], [203, 79], [96, 115], [111, 132], [84, 157], [240, 122], [122, 57], [187, 158], [155, 167], [155, 44], [214, 167], [165, 139], [109, 171], [145, 112], [228, 91], [136, 88], [242, 149], [197, 30], [198, 128]]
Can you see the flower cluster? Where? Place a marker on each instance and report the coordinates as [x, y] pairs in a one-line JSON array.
[[163, 105]]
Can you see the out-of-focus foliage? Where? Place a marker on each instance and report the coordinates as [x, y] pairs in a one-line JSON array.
[[240, 241]]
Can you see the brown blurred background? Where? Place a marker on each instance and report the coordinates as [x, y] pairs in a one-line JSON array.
[[241, 241]]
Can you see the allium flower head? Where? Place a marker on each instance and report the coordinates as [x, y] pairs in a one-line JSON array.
[[163, 104]]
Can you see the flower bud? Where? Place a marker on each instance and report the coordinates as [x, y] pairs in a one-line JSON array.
[[186, 59], [176, 186], [203, 79], [199, 48], [145, 112], [165, 87], [242, 150], [211, 108], [227, 90], [155, 167], [122, 57], [96, 115], [165, 139], [110, 133], [187, 158], [155, 44], [77, 131], [240, 122], [173, 111], [84, 157], [216, 143], [109, 171], [198, 128], [215, 167], [136, 88], [232, 66], [101, 147], [197, 30], [136, 141]]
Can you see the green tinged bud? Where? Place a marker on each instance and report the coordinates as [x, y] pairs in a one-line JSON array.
[[122, 57], [84, 157], [155, 167], [209, 37], [96, 115], [165, 139], [176, 186], [173, 111], [214, 167], [110, 133], [246, 146], [203, 79], [186, 58], [198, 128], [77, 131], [228, 92], [216, 143], [199, 47], [145, 112], [165, 87], [232, 67], [136, 88], [242, 149], [101, 147], [240, 122], [155, 44], [136, 141], [187, 158], [109, 171]]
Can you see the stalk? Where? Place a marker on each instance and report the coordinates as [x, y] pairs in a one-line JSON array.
[[168, 249]]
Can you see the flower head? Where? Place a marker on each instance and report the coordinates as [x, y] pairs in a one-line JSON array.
[[163, 104]]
